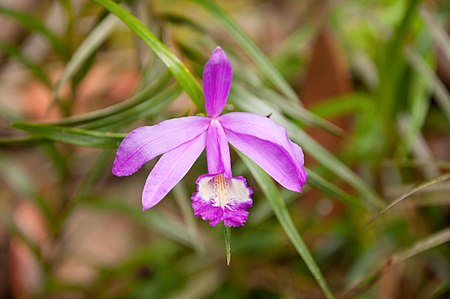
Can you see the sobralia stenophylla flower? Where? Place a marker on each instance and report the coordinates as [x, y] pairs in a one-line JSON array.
[[180, 141]]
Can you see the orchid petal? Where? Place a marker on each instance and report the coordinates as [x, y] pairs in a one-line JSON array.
[[170, 169], [270, 157], [217, 77], [217, 150], [145, 143], [265, 129], [222, 199]]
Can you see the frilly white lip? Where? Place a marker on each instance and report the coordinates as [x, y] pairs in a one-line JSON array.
[[219, 198]]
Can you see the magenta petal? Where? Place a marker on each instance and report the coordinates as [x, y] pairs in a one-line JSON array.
[[145, 143], [222, 199], [268, 144], [217, 150], [217, 77], [170, 169]]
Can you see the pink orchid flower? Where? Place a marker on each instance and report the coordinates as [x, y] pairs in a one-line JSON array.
[[220, 196]]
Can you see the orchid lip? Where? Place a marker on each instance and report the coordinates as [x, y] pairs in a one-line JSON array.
[[219, 198]]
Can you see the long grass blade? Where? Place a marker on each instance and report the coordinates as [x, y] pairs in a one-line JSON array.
[[13, 51], [32, 23], [281, 212], [85, 50], [176, 67], [251, 49], [317, 181], [364, 284], [144, 95], [440, 91], [416, 189], [253, 104], [74, 136]]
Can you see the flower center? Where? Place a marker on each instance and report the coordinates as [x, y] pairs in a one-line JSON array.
[[220, 186]]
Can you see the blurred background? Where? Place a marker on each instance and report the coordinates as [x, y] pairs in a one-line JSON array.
[[363, 86]]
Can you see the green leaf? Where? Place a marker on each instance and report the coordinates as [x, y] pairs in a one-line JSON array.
[[423, 245], [252, 50], [141, 111], [227, 235], [117, 109], [418, 188], [86, 50], [281, 212], [176, 67], [363, 284], [251, 103], [316, 181], [441, 93], [14, 51], [72, 135], [35, 24], [21, 183], [292, 109]]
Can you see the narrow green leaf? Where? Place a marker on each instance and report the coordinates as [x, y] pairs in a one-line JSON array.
[[353, 103], [97, 169], [441, 93], [176, 67], [418, 188], [72, 135], [253, 104], [85, 50], [141, 111], [14, 51], [34, 24], [364, 284], [137, 99], [281, 212], [20, 141], [183, 201], [252, 50], [166, 225], [318, 182], [423, 245], [227, 235], [292, 109], [20, 182], [437, 30]]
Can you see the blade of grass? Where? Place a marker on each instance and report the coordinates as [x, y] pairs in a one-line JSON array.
[[292, 109], [34, 24], [141, 111], [317, 181], [227, 235], [253, 104], [21, 141], [416, 189], [182, 198], [438, 31], [176, 67], [137, 99], [440, 91], [166, 225], [17, 179], [281, 212], [363, 285], [251, 49], [14, 51], [85, 50], [74, 136]]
